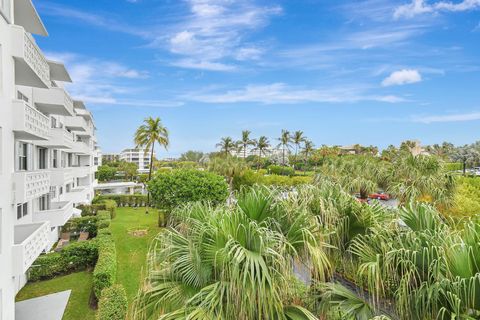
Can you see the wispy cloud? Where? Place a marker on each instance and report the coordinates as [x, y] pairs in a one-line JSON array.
[[461, 117], [401, 77], [215, 31], [419, 7], [281, 93]]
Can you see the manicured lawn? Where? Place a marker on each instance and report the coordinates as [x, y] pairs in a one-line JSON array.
[[132, 250], [78, 305]]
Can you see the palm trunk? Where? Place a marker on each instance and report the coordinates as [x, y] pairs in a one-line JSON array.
[[283, 155], [150, 173], [464, 167], [244, 151]]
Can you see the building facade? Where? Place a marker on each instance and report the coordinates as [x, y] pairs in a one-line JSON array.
[[48, 149], [110, 157], [139, 156]]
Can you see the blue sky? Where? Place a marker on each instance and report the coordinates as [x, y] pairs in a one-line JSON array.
[[368, 71]]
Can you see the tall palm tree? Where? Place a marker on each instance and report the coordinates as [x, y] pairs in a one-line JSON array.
[[308, 148], [285, 140], [245, 142], [226, 145], [297, 138], [150, 132], [262, 145]]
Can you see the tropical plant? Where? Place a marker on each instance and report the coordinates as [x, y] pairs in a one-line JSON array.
[[245, 142], [466, 155], [194, 156], [229, 167], [297, 139], [231, 262], [285, 140], [150, 132], [226, 145]]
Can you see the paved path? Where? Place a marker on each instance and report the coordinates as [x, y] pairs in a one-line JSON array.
[[49, 307]]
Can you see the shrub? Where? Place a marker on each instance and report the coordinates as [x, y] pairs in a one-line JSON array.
[[281, 170], [105, 270], [124, 200], [113, 303], [103, 219], [74, 257], [169, 189], [86, 224], [250, 178], [103, 231], [110, 206]]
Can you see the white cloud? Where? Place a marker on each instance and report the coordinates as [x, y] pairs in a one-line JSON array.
[[448, 118], [402, 77], [281, 93], [418, 7], [215, 31]]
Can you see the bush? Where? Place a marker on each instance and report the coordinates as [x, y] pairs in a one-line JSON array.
[[113, 304], [250, 178], [170, 189], [466, 198], [103, 219], [105, 270], [74, 257], [281, 170], [124, 200], [85, 224], [110, 206]]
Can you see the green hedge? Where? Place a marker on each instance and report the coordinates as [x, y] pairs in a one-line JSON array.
[[98, 205], [103, 219], [281, 170], [74, 257], [113, 303], [105, 271], [76, 225], [250, 178], [124, 200]]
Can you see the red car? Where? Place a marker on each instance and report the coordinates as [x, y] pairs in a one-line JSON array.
[[379, 196]]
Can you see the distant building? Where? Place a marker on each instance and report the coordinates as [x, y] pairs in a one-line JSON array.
[[110, 157], [138, 156], [269, 152]]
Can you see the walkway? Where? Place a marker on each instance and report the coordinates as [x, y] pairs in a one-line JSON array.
[[49, 307]]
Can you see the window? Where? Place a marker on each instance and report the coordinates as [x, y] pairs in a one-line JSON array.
[[70, 160], [22, 156], [53, 192], [68, 187], [42, 158], [60, 191], [22, 210], [54, 122], [55, 158], [44, 202], [21, 96]]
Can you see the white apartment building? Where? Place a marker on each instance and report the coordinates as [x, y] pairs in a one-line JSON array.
[[137, 156], [48, 153]]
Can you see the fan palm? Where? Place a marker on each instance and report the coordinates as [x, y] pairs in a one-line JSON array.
[[150, 132]]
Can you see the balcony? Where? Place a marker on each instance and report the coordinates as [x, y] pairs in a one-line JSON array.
[[61, 176], [31, 67], [59, 138], [78, 195], [82, 147], [30, 185], [58, 214], [53, 101], [29, 242], [76, 123], [29, 123], [81, 171]]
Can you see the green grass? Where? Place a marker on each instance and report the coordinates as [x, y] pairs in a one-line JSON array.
[[78, 305], [132, 250]]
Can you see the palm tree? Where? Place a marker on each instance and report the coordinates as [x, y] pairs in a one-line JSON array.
[[245, 142], [308, 148], [297, 138], [232, 262], [150, 132], [229, 167], [226, 145], [285, 140], [262, 145], [466, 155]]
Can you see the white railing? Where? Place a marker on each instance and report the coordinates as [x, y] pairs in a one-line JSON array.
[[58, 214], [68, 101], [29, 120], [30, 185], [29, 242]]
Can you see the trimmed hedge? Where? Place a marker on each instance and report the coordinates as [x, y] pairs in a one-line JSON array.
[[281, 170], [76, 225], [105, 271], [74, 257], [113, 303], [123, 200], [104, 204], [250, 178], [103, 219]]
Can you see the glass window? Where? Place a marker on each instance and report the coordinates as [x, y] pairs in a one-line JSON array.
[[22, 210], [42, 158], [22, 156]]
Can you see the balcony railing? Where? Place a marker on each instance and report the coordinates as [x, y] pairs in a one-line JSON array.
[[31, 67], [53, 101], [58, 214], [29, 123], [30, 185], [29, 242], [59, 138], [76, 123], [61, 176]]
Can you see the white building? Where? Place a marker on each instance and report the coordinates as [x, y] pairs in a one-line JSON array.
[[48, 153], [138, 156]]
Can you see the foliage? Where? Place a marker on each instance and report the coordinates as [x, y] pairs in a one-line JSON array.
[[105, 271], [124, 200], [113, 303], [251, 178], [74, 257], [170, 189], [81, 224], [193, 156], [232, 262], [129, 169], [106, 173], [466, 199], [228, 166], [281, 170], [226, 145], [103, 219]]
